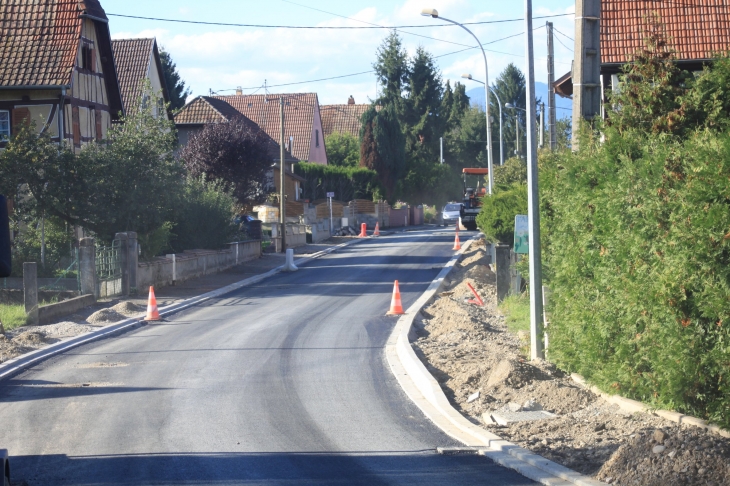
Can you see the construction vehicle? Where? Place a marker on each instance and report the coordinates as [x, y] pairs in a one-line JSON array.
[[472, 197]]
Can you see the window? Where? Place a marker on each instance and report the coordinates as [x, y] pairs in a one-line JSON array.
[[4, 125], [88, 58], [316, 138]]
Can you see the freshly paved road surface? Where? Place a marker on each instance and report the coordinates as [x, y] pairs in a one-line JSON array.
[[282, 383]]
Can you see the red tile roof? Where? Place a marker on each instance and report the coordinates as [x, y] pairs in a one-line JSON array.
[[342, 118], [697, 29], [264, 111], [39, 43]]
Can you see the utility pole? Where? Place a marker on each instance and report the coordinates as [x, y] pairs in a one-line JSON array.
[[586, 65], [533, 199], [552, 133], [441, 143], [282, 167], [517, 135]]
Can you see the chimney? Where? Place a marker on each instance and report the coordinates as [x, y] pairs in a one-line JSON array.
[[351, 100], [239, 90]]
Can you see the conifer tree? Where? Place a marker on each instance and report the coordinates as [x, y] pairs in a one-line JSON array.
[[176, 89], [391, 70], [382, 147], [510, 87]]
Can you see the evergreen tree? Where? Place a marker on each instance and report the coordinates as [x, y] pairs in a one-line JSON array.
[[391, 70], [510, 86], [423, 121], [382, 147], [176, 89], [447, 104], [459, 105]]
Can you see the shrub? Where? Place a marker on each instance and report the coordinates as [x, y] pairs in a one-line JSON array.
[[204, 216], [497, 217]]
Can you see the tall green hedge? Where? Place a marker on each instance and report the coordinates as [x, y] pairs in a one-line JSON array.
[[637, 255], [346, 182]]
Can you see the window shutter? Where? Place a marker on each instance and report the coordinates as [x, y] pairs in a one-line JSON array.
[[92, 54], [21, 115], [76, 125], [97, 117]]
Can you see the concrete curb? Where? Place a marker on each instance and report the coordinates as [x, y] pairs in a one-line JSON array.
[[426, 393], [17, 365], [633, 406]]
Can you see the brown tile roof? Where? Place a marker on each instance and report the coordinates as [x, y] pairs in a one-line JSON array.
[[263, 110], [205, 109], [342, 118], [39, 43], [697, 29], [132, 58]]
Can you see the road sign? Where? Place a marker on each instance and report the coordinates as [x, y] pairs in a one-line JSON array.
[[330, 194], [521, 234]]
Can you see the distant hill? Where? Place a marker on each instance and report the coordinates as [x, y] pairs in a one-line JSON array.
[[564, 105]]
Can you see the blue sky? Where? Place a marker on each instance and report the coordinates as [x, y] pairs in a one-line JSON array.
[[223, 57]]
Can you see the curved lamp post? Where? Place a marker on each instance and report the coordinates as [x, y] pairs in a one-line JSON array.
[[499, 104], [433, 13]]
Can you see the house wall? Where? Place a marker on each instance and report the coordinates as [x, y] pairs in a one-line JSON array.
[[88, 93], [290, 185], [317, 154], [42, 106], [155, 77]]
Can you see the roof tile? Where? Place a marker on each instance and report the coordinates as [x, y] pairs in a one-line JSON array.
[[132, 58], [696, 29], [342, 118], [40, 40]]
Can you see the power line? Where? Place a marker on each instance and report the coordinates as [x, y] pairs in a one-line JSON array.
[[561, 43], [568, 37], [322, 27]]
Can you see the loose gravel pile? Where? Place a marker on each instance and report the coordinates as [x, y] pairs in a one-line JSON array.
[[105, 316], [482, 368]]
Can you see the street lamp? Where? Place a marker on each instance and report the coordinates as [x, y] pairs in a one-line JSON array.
[[433, 13], [517, 126], [499, 103]]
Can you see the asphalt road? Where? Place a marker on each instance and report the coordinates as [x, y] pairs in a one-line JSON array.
[[282, 383]]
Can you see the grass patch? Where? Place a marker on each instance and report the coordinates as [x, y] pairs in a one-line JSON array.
[[516, 310], [12, 316]]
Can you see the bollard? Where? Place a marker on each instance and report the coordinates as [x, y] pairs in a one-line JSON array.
[[124, 260], [30, 292], [87, 267], [289, 265], [503, 272]]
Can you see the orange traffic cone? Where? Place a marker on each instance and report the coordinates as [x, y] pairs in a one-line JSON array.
[[396, 308], [364, 230], [457, 243], [377, 229], [152, 314]]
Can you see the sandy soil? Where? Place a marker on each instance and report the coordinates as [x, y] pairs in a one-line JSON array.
[[482, 369]]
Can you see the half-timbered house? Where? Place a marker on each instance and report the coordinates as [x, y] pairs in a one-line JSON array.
[[57, 69]]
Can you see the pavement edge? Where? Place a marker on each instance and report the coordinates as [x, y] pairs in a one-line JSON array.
[[425, 392], [17, 365]]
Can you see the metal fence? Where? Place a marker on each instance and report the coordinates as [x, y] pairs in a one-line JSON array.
[[109, 269]]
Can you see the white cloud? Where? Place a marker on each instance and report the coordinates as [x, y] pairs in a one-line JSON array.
[[223, 57]]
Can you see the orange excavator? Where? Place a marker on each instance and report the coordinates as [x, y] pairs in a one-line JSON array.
[[472, 197]]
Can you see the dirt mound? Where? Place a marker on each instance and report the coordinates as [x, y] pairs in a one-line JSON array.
[[669, 457], [128, 309], [32, 339], [105, 316], [65, 329], [468, 349]]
